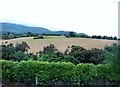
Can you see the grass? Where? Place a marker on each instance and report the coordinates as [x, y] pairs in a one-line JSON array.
[[61, 42]]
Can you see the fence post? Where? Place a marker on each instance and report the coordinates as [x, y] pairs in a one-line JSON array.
[[79, 81], [36, 81]]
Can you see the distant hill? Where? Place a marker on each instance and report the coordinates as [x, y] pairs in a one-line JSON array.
[[17, 28]]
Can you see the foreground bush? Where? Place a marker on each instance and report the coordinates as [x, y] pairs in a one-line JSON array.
[[14, 71], [8, 70], [46, 72], [85, 72]]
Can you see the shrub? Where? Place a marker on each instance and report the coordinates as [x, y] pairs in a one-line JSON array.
[[17, 52], [8, 70], [113, 59], [14, 71], [38, 37], [95, 56], [49, 49], [85, 72], [46, 71], [102, 71], [105, 71]]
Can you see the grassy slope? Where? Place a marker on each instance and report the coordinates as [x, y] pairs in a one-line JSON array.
[[62, 42]]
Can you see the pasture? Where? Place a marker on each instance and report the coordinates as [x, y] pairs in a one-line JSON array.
[[61, 42]]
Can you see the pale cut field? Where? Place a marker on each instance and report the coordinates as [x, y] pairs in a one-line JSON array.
[[61, 42]]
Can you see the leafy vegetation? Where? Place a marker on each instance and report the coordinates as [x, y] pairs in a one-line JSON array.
[[14, 71], [17, 53], [9, 35], [51, 65], [113, 59], [38, 37], [72, 34], [76, 65], [45, 71], [104, 37], [76, 55], [85, 72]]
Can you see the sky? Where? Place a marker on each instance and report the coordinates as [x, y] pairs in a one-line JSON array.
[[92, 17]]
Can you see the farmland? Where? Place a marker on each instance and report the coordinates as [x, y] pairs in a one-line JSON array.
[[61, 42]]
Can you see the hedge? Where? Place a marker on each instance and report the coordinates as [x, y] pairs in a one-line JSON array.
[[85, 72], [106, 72], [8, 70], [45, 71]]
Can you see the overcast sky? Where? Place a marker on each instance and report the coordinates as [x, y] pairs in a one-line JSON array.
[[92, 17]]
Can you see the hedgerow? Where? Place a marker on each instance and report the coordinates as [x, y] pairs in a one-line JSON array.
[[85, 71], [43, 70], [46, 71]]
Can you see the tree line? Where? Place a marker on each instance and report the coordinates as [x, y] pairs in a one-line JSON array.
[[40, 36], [72, 34], [73, 54], [28, 34]]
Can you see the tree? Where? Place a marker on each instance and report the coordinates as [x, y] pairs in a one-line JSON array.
[[99, 37], [18, 56], [29, 34], [115, 38], [22, 47], [77, 52], [16, 52], [7, 50], [49, 49], [113, 57], [72, 34], [95, 56]]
